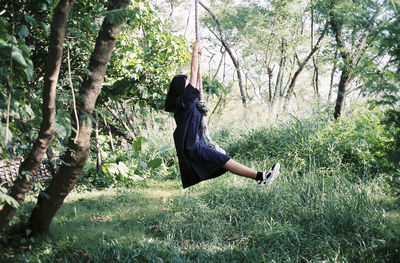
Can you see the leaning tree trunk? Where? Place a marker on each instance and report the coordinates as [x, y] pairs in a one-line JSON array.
[[350, 60], [343, 83], [46, 133], [315, 78], [332, 76], [75, 157], [300, 69], [279, 77], [228, 49]]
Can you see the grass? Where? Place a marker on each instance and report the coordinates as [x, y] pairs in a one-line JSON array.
[[330, 204]]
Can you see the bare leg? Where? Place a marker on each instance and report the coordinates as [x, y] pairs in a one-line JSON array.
[[239, 169]]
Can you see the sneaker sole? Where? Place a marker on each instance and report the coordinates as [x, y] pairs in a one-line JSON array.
[[274, 175], [275, 172]]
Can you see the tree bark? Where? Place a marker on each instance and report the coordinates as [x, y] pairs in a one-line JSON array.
[[347, 64], [98, 150], [349, 59], [344, 81], [316, 70], [285, 88], [77, 153], [130, 119], [279, 79], [228, 49], [113, 130], [300, 68], [219, 65], [332, 76], [316, 77], [46, 132], [269, 71], [110, 137]]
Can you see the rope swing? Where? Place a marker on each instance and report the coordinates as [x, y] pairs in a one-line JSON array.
[[202, 104]]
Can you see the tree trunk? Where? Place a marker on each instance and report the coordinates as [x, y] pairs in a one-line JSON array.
[[98, 150], [130, 119], [46, 132], [284, 90], [300, 68], [349, 59], [315, 73], [344, 81], [110, 136], [228, 49], [316, 77], [219, 65], [113, 130], [75, 157], [122, 122], [269, 71], [332, 76], [279, 78]]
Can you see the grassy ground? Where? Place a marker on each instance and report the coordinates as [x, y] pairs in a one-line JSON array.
[[330, 204], [310, 219]]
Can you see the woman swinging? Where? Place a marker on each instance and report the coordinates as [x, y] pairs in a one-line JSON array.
[[197, 161]]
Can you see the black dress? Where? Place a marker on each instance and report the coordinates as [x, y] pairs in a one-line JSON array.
[[197, 161]]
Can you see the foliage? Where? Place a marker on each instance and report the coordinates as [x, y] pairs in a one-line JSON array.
[[144, 62], [15, 69], [143, 159], [214, 87], [383, 82], [18, 52], [31, 20], [4, 198], [359, 143], [263, 34]]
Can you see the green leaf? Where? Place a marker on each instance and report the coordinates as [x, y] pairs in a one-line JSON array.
[[8, 199], [43, 7], [139, 144], [3, 133], [17, 56], [60, 130], [25, 50], [30, 20], [123, 169], [22, 31], [29, 70], [44, 26], [165, 149], [111, 168], [155, 163]]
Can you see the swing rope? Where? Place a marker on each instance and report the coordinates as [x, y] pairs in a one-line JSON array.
[[196, 19], [202, 104]]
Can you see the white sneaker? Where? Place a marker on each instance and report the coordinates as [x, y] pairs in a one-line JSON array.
[[270, 176]]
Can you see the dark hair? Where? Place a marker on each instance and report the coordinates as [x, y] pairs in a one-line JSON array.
[[176, 88]]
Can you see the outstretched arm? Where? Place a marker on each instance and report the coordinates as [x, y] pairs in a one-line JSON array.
[[199, 83], [194, 68]]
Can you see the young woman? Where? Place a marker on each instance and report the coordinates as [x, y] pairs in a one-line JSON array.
[[197, 161]]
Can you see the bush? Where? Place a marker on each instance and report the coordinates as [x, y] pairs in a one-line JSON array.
[[144, 158], [358, 142]]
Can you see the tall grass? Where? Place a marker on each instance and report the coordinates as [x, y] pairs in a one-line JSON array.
[[333, 202]]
